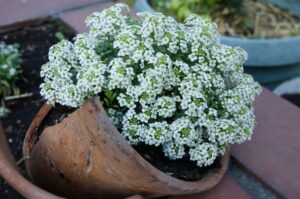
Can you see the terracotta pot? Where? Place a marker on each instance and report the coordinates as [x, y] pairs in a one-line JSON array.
[[84, 156]]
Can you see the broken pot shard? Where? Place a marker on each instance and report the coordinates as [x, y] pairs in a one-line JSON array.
[[85, 156]]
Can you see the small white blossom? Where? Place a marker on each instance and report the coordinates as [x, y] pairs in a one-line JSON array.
[[157, 133], [183, 131], [165, 106], [204, 154], [173, 150], [222, 132]]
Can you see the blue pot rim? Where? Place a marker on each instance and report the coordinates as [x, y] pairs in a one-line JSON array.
[[265, 40]]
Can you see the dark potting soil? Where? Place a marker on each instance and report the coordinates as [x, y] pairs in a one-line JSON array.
[[55, 116], [293, 98], [183, 169], [34, 42]]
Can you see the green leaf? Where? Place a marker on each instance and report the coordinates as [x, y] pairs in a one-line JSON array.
[[158, 134], [184, 12], [110, 95], [144, 96], [121, 70], [176, 4], [185, 132], [106, 102], [60, 36], [5, 83]]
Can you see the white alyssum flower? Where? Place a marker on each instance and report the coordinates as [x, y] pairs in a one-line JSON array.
[[204, 154], [173, 150], [163, 83], [165, 106], [157, 133], [183, 131]]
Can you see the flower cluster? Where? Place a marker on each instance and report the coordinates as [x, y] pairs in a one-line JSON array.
[[10, 70], [163, 83]]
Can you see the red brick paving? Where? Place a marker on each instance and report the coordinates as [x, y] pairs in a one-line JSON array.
[[17, 11], [226, 189], [75, 19], [273, 154]]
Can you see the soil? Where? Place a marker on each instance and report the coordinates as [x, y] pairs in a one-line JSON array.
[[293, 98], [183, 169], [55, 116], [34, 41]]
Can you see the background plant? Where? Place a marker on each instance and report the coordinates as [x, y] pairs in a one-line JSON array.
[[181, 9], [10, 71], [163, 83], [244, 18]]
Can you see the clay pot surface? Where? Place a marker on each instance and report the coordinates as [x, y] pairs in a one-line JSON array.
[[84, 156]]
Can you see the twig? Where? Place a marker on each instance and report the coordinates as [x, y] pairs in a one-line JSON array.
[[25, 95], [22, 159]]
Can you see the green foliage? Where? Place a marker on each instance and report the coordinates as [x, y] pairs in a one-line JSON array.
[[10, 68], [109, 97], [234, 4], [60, 36], [181, 9]]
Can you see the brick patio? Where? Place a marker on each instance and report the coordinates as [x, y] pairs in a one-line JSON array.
[[272, 157]]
